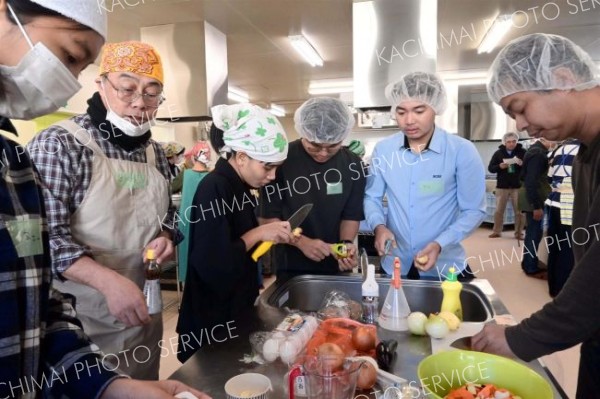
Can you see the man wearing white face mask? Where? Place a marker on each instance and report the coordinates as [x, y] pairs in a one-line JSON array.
[[107, 191]]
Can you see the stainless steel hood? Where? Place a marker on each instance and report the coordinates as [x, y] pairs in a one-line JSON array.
[[390, 38]]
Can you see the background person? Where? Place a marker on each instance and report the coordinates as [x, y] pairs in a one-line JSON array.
[[508, 181], [320, 171], [560, 215], [39, 332], [221, 285], [200, 156], [106, 185], [550, 86], [532, 195], [434, 182]]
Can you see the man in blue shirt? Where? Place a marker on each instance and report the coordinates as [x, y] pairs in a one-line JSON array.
[[434, 182]]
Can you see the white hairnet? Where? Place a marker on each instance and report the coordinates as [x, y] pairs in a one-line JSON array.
[[324, 120], [418, 86], [541, 62]]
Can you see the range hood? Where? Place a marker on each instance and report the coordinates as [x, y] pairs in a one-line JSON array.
[[390, 38], [479, 119]]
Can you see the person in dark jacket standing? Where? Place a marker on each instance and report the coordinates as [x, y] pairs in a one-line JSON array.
[[532, 195], [551, 87], [507, 181], [221, 284]]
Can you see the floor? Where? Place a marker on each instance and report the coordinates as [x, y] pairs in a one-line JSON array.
[[522, 296]]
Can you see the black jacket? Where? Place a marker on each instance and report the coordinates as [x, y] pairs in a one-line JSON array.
[[222, 279], [534, 175], [504, 179]]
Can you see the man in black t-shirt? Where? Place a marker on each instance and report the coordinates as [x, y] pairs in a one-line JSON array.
[[320, 171]]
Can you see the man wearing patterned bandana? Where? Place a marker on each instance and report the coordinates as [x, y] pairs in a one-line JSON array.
[[106, 188]]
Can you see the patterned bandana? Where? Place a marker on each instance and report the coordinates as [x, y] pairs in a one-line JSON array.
[[135, 57], [251, 129], [199, 152]]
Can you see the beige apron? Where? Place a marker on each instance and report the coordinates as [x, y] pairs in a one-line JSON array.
[[117, 218]]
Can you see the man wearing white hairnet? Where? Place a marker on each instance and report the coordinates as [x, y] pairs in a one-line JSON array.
[[320, 171], [550, 87], [434, 182]]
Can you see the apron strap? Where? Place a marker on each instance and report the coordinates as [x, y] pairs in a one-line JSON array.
[[82, 135], [150, 154]]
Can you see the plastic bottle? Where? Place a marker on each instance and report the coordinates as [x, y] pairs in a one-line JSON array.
[[395, 309], [152, 286], [451, 288], [370, 297]]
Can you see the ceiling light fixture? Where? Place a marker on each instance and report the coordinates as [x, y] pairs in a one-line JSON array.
[[330, 86], [237, 95], [306, 50], [277, 110], [499, 28]]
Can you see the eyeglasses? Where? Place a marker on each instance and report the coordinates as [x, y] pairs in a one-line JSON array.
[[317, 147], [130, 95]]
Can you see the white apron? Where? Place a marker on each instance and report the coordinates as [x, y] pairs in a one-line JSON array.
[[117, 218]]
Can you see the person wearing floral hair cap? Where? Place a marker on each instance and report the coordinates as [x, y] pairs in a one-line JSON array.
[[108, 203], [551, 88], [200, 157], [221, 282]]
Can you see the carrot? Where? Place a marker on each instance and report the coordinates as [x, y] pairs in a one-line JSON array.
[[460, 393], [487, 391]]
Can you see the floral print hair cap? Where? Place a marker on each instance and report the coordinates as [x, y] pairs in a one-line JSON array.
[[251, 129], [135, 57]]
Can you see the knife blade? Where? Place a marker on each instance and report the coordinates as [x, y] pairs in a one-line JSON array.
[[462, 343], [295, 221]]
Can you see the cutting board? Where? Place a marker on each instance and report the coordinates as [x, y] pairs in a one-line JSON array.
[[466, 329]]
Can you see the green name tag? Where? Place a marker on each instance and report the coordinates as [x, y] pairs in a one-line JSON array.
[[431, 187], [26, 235], [131, 180], [335, 188]]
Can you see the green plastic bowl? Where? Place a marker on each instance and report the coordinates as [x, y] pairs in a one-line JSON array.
[[444, 371]]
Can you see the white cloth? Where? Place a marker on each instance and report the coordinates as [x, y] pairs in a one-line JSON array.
[[251, 129], [86, 12]]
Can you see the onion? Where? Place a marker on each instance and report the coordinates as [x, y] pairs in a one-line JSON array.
[[363, 339], [367, 376], [452, 320], [331, 355], [436, 327], [416, 323]]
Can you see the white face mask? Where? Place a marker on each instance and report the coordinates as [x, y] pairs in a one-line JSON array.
[[39, 85], [124, 125]]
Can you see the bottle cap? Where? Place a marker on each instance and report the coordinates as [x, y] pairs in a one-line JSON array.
[[150, 254], [451, 275]]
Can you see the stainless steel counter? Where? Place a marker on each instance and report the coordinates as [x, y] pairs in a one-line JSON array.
[[213, 365]]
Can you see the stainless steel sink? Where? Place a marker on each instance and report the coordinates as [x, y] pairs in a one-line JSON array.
[[307, 292]]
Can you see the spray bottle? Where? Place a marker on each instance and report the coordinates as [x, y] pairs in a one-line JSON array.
[[370, 297], [451, 288], [395, 309]]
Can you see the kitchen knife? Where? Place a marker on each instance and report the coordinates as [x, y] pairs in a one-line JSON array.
[[295, 220], [462, 343]]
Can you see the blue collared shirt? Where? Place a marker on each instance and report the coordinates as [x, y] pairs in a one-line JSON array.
[[437, 195]]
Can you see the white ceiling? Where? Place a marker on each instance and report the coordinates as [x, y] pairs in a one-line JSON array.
[[262, 62]]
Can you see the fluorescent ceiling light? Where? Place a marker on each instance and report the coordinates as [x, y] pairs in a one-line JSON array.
[[330, 86], [499, 28], [237, 95], [277, 110], [306, 50]]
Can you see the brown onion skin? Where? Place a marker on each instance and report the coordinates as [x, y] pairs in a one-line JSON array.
[[363, 339], [367, 376]]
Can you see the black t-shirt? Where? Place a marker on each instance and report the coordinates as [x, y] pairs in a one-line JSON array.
[[335, 188]]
